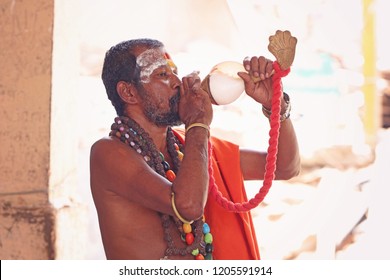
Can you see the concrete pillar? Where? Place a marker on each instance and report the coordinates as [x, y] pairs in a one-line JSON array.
[[37, 164]]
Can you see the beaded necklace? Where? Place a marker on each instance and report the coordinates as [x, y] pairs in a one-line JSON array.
[[196, 236]]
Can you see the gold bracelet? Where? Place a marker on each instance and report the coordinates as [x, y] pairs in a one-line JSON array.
[[176, 212], [205, 126]]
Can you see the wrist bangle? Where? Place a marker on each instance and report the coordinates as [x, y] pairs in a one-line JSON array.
[[205, 126], [283, 115], [177, 212]]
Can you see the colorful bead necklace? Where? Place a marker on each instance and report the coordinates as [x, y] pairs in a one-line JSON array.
[[196, 236]]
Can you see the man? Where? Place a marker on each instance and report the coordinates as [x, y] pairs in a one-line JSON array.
[[150, 183]]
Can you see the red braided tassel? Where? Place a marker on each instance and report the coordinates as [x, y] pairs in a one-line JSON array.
[[270, 166]]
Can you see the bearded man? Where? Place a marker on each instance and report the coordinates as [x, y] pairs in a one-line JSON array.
[[150, 181]]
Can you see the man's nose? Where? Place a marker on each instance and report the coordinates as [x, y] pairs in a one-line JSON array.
[[176, 82]]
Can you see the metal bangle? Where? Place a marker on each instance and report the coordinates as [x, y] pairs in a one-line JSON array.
[[177, 212], [283, 116]]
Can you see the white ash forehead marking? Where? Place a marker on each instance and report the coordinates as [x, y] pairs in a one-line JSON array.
[[149, 61]]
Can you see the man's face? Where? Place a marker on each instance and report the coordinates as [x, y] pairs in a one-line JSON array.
[[159, 87]]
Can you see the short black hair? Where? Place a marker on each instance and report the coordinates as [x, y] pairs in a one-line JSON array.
[[120, 64]]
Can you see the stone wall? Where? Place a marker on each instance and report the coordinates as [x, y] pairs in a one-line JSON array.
[[27, 219], [39, 216]]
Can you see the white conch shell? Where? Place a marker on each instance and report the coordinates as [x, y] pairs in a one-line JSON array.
[[223, 84], [282, 46]]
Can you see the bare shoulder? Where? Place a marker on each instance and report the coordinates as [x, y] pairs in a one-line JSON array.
[[112, 164], [104, 145], [118, 170], [111, 152]]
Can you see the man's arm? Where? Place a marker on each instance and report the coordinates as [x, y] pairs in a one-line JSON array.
[[261, 90], [288, 158]]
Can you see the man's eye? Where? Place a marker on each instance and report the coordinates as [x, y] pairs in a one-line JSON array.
[[163, 74]]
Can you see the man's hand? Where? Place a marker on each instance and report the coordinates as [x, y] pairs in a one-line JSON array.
[[195, 104], [257, 79]]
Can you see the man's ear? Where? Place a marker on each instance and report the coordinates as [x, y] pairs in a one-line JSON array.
[[127, 92]]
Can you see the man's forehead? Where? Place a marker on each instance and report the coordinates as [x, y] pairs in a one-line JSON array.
[[151, 59], [148, 56]]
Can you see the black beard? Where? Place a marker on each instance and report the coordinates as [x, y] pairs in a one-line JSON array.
[[170, 118]]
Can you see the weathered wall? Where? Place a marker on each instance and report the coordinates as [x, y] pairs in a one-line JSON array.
[[26, 225], [40, 216]]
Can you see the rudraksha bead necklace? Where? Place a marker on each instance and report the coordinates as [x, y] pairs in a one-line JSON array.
[[197, 235]]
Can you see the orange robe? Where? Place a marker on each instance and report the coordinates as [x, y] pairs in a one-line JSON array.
[[234, 236]]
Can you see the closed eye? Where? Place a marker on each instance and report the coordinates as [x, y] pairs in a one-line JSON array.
[[163, 74]]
